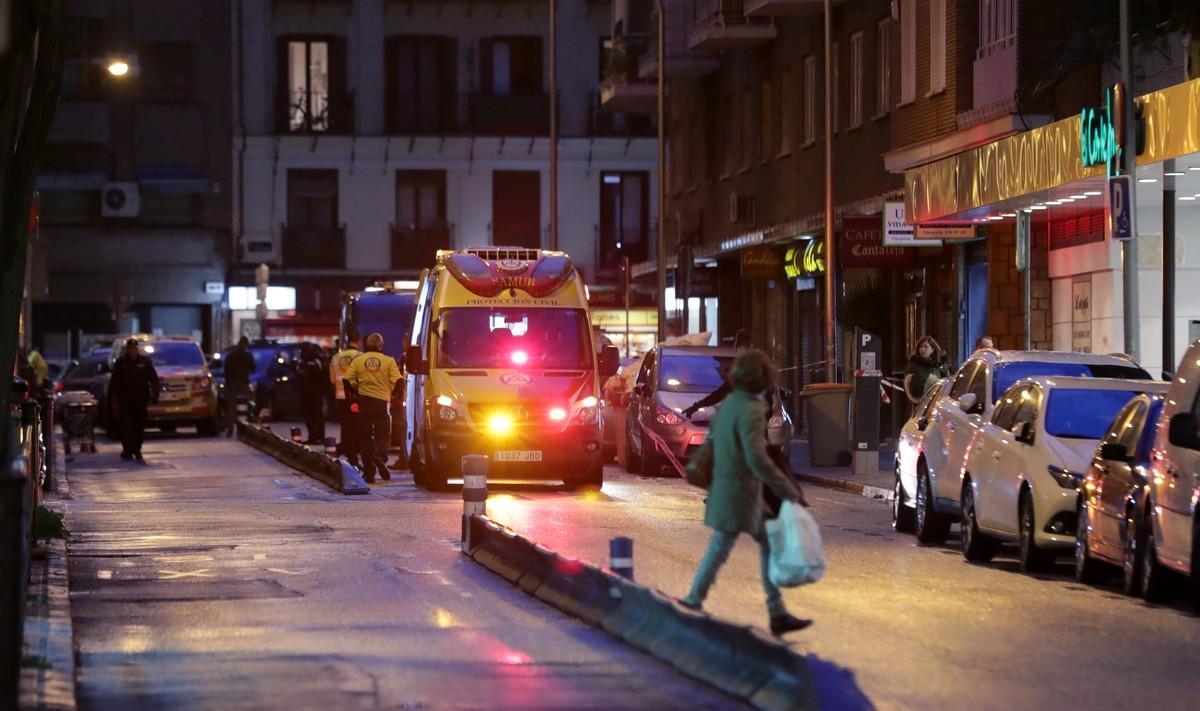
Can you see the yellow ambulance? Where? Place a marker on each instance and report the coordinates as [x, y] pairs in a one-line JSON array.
[[501, 363]]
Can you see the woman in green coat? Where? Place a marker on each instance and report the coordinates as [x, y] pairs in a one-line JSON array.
[[740, 467]]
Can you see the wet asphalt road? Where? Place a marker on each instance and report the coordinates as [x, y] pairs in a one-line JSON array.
[[215, 577]]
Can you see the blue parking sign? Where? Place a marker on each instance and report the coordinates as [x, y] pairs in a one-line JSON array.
[[1119, 208]]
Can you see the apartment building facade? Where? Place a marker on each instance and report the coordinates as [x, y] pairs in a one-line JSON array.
[[370, 133], [134, 185]]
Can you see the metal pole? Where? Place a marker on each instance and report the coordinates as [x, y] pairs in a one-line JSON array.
[[1168, 268], [553, 126], [662, 174], [1129, 264], [830, 247], [625, 277]]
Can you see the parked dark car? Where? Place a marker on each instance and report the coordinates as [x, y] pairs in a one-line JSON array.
[[89, 374], [273, 381], [1113, 489]]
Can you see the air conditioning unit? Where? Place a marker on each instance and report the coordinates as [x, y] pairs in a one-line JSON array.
[[120, 200], [741, 209]]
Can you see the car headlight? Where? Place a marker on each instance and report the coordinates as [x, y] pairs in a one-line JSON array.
[[667, 417], [447, 412], [586, 416], [1066, 478]]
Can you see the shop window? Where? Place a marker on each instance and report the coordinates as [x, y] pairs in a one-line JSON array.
[[908, 51], [856, 80], [166, 71], [937, 46], [624, 218], [421, 84], [175, 209]]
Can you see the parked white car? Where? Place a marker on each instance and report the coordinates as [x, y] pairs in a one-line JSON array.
[[956, 418], [1167, 526], [1024, 466], [909, 447]]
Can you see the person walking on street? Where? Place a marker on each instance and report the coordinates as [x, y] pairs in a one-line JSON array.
[[311, 371], [338, 365], [740, 468], [134, 385], [369, 381], [239, 365], [40, 371], [925, 368]]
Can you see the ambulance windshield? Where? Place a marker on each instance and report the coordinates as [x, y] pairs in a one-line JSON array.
[[543, 339]]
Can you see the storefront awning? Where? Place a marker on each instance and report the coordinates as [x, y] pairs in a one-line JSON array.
[[71, 181], [1043, 159]]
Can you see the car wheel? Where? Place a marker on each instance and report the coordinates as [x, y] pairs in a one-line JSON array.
[[1088, 570], [932, 527], [977, 547], [904, 518], [633, 463], [593, 481], [434, 477], [1132, 558], [1156, 585], [1033, 558]]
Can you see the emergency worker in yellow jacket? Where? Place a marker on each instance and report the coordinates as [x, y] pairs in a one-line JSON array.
[[338, 365], [369, 382]]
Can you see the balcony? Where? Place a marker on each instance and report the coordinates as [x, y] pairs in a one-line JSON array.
[[621, 89], [294, 114], [723, 24], [782, 8], [602, 122], [509, 114], [414, 248], [682, 62], [314, 247]]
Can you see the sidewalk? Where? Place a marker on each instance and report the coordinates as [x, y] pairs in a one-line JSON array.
[[875, 486]]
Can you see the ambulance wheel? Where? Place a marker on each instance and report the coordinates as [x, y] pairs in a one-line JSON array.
[[592, 481]]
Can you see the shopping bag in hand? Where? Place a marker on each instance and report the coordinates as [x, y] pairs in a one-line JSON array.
[[797, 557]]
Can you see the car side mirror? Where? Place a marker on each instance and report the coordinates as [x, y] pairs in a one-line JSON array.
[[1114, 452], [922, 423], [1182, 431], [1023, 433], [610, 361], [413, 361], [968, 403]]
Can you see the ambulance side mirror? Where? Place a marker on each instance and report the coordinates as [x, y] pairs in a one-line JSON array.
[[413, 362], [610, 361]]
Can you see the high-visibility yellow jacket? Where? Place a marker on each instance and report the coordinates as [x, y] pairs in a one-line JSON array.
[[338, 365], [374, 375]]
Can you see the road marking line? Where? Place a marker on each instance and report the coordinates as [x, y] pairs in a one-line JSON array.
[[177, 574]]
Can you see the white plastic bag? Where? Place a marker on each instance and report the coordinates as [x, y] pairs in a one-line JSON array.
[[797, 557]]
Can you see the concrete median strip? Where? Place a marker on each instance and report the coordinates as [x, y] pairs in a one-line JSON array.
[[739, 660], [334, 473]]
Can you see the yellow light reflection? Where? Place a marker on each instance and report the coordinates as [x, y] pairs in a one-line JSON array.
[[443, 619], [500, 424]]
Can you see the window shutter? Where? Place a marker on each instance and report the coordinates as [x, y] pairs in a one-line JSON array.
[[282, 100], [390, 80], [341, 104], [448, 83], [485, 64]]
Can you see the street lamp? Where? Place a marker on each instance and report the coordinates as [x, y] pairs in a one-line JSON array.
[[117, 68]]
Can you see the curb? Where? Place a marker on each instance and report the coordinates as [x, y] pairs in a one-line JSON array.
[[736, 659], [334, 473], [854, 487]]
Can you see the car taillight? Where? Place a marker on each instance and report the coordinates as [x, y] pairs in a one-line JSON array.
[[667, 417]]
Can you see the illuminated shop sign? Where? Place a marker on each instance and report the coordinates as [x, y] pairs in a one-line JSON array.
[[805, 260]]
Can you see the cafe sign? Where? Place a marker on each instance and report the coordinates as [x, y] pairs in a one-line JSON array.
[[805, 259], [862, 245], [761, 263]]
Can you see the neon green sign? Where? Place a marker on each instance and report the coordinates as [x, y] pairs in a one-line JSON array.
[[1098, 134]]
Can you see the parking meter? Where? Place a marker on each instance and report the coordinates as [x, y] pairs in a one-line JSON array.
[[867, 374]]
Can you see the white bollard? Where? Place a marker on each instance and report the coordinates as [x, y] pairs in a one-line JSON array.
[[474, 493]]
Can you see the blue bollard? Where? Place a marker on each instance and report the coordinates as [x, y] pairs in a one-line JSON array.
[[620, 556]]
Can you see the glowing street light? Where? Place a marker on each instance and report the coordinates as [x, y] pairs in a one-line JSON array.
[[118, 68]]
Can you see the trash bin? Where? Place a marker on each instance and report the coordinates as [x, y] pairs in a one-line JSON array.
[[79, 420], [827, 410]]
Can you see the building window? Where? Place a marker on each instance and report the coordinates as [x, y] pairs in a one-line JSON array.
[[997, 26], [937, 46], [516, 208], [166, 71], [908, 51], [420, 85], [835, 81], [856, 79], [785, 110], [420, 199], [883, 77], [810, 100], [511, 65], [768, 139], [312, 199], [313, 70], [748, 142], [624, 218]]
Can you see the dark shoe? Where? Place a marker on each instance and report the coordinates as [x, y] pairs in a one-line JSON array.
[[684, 602], [126, 455], [783, 624], [384, 471], [138, 456]]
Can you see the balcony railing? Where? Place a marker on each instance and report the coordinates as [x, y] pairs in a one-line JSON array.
[[414, 248], [724, 24], [415, 114], [508, 114], [602, 122], [299, 113], [314, 247]]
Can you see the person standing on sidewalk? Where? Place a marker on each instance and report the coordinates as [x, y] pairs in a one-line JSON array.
[[239, 365], [134, 385], [311, 372], [369, 381], [740, 468], [925, 367], [347, 420]]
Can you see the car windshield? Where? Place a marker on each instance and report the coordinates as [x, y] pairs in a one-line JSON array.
[[692, 373], [87, 368], [173, 353], [1083, 414], [267, 358], [389, 315], [1006, 374], [514, 337]]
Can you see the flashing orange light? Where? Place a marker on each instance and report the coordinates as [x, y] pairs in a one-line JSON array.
[[500, 424]]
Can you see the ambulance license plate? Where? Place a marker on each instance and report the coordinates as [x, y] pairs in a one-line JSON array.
[[522, 455]]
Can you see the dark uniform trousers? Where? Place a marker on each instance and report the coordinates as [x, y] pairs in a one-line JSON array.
[[350, 427], [313, 401], [375, 430], [133, 425]]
